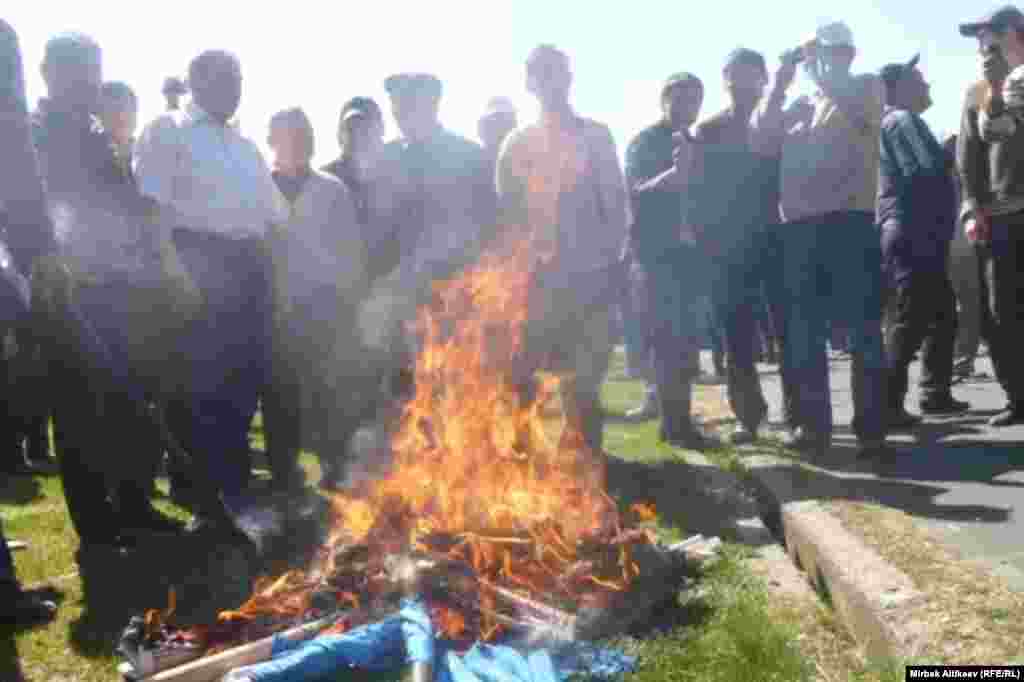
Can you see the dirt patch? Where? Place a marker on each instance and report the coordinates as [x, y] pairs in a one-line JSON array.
[[974, 616]]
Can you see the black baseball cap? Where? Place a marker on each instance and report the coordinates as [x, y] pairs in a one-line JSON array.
[[1003, 18], [892, 73]]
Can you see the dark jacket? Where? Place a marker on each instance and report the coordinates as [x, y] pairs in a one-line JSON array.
[[657, 214], [915, 197], [990, 157]]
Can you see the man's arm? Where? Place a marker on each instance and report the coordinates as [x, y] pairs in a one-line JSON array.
[[971, 155], [860, 100]]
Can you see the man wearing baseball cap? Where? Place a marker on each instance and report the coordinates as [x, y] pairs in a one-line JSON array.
[[990, 159], [829, 242], [916, 213]]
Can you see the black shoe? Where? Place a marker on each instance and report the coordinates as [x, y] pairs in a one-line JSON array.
[[94, 550], [691, 438], [27, 609], [149, 520], [872, 449], [743, 436], [945, 404], [1008, 417], [901, 419], [802, 440]]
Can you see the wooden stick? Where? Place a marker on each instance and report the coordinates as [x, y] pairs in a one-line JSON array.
[[212, 668]]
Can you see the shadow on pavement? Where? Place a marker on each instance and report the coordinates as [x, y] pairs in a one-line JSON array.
[[910, 478]]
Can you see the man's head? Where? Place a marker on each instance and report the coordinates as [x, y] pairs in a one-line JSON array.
[[415, 103], [498, 121], [681, 99], [549, 76], [360, 126], [1001, 30], [73, 71], [836, 50], [905, 86], [291, 139], [746, 76], [173, 90], [215, 80], [119, 111]]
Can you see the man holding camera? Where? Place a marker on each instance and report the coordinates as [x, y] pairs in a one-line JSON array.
[[989, 154], [829, 242]]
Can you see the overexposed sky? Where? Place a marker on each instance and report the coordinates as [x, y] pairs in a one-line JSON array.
[[318, 54]]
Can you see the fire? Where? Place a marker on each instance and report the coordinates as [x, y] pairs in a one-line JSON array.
[[482, 480]]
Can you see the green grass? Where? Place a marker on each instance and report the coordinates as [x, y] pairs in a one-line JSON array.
[[727, 633]]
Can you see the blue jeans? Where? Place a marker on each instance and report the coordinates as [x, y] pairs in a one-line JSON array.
[[225, 351], [831, 274]]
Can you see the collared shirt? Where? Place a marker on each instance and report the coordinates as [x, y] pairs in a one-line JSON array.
[[561, 179], [209, 177], [97, 212], [990, 157], [320, 244], [435, 198], [830, 163]]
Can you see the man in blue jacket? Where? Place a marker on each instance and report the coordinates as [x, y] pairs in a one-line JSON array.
[[917, 216]]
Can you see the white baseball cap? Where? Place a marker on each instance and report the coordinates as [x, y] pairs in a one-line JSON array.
[[834, 34]]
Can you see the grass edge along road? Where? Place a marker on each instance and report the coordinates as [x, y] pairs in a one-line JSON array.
[[733, 630]]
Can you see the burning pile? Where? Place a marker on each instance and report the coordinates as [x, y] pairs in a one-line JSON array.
[[497, 522]]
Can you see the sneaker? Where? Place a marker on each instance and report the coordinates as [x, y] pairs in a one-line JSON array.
[[742, 435], [901, 419], [1008, 417], [945, 404]]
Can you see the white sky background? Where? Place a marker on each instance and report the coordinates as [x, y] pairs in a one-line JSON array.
[[318, 54]]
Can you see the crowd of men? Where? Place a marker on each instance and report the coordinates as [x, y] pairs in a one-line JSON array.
[[180, 282]]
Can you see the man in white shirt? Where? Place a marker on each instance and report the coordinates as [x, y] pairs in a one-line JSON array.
[[214, 203], [830, 244], [323, 381], [560, 182]]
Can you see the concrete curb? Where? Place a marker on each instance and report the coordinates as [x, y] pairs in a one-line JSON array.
[[878, 603]]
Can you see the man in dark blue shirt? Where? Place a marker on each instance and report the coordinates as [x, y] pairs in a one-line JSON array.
[[917, 215], [664, 241]]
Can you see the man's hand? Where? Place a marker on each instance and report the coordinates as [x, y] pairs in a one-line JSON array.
[[978, 228], [682, 155]]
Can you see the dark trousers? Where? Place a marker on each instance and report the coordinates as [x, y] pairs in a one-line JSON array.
[[1003, 297], [923, 316], [676, 327], [8, 579], [831, 273], [777, 308], [224, 356], [735, 300], [107, 463]]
